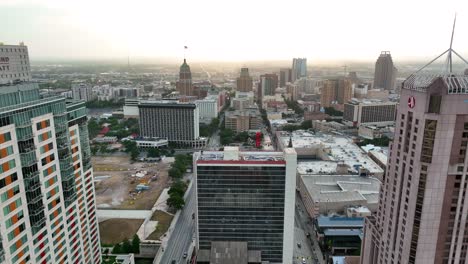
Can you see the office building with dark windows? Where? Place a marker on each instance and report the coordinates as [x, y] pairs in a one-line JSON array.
[[46, 180], [177, 122], [247, 197], [422, 215]]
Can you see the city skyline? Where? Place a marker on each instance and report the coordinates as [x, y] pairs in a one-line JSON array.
[[57, 30]]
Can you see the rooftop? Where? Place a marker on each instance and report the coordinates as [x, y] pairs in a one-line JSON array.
[[333, 148], [342, 188], [456, 84], [233, 155], [337, 222]]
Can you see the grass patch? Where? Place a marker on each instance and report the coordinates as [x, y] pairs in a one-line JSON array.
[[114, 231], [164, 221]]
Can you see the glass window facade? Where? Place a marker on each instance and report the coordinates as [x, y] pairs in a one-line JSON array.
[[242, 203]]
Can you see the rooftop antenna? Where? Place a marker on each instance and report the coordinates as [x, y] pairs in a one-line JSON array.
[[345, 67], [449, 52], [451, 42]]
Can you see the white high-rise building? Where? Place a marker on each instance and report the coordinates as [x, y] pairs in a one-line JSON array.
[[82, 91], [14, 63], [207, 109]]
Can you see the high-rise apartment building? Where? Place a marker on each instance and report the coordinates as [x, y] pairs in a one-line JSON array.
[[178, 122], [267, 85], [247, 197], [82, 91], [184, 85], [422, 215], [46, 180], [299, 69], [244, 82], [285, 76], [14, 63], [336, 91], [369, 112], [385, 73]]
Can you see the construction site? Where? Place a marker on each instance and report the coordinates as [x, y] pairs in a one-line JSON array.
[[123, 184]]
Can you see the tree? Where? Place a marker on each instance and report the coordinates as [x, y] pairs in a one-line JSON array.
[[117, 249], [134, 153], [126, 246], [154, 153], [177, 188], [176, 202], [93, 128], [175, 173], [136, 244]]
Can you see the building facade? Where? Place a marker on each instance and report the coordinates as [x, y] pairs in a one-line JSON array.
[[82, 91], [247, 197], [299, 69], [46, 180], [285, 76], [336, 91], [208, 109], [422, 209], [178, 122], [184, 85], [267, 85], [385, 73], [14, 63], [245, 120], [244, 82], [379, 113]]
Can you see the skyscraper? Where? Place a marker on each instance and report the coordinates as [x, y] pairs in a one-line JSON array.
[[285, 76], [247, 197], [299, 68], [184, 85], [422, 207], [336, 91], [46, 180], [244, 82], [267, 85], [385, 73], [14, 63]]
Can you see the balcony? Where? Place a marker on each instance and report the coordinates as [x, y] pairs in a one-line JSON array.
[[34, 196], [31, 175], [28, 159]]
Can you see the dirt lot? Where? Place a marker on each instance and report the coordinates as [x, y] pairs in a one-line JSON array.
[[115, 185], [164, 221], [127, 228]]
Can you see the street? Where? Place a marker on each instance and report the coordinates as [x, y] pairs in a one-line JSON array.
[[309, 249], [183, 233]]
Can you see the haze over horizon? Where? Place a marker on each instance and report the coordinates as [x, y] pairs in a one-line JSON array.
[[234, 31]]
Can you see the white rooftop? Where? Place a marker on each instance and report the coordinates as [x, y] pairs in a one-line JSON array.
[[334, 148], [342, 188]]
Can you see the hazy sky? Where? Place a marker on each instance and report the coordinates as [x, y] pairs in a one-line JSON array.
[[234, 30]]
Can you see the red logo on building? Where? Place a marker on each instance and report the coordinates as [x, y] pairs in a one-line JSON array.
[[411, 102]]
